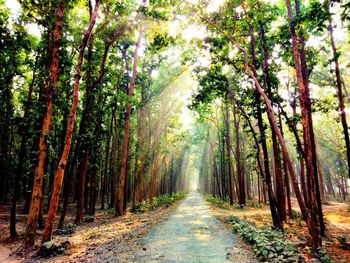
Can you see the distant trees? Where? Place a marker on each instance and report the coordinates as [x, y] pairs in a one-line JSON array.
[[41, 85], [239, 64], [269, 124]]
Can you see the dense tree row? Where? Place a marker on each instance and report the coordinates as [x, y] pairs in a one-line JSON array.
[[79, 109], [92, 107], [259, 93]]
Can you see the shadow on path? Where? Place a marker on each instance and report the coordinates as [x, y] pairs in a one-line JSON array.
[[191, 234]]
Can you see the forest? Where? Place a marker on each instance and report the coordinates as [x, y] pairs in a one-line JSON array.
[[174, 131]]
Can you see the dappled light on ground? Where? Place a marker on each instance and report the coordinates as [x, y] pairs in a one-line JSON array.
[[191, 234]]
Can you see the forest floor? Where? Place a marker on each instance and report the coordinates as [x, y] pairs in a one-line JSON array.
[[337, 220], [182, 232], [107, 239]]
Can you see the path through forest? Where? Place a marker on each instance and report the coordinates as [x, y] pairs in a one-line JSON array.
[[191, 234]]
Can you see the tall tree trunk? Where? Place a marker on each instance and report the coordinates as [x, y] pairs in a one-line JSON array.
[[125, 143], [240, 175], [273, 203], [50, 84], [339, 90], [228, 146], [136, 168], [309, 140], [113, 171], [280, 194], [50, 220]]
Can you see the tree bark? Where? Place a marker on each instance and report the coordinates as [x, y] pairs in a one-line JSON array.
[[228, 146], [240, 174], [309, 140], [49, 87], [126, 136], [106, 161], [340, 95], [50, 220]]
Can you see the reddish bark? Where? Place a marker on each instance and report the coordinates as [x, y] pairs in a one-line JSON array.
[[47, 235], [49, 91], [126, 136], [309, 141], [340, 95]]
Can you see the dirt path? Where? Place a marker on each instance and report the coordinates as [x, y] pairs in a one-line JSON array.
[[191, 234]]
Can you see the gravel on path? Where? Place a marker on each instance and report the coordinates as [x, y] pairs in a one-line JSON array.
[[191, 234]]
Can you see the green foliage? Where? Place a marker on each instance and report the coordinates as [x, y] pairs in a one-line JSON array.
[[162, 200], [89, 218], [296, 214], [143, 206], [253, 204], [217, 201], [322, 255], [110, 211], [67, 229], [269, 245], [54, 247]]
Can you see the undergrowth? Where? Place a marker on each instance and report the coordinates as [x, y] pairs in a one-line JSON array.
[[217, 201], [269, 245], [162, 200], [225, 203]]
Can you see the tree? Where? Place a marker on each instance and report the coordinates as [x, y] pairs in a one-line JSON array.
[[70, 127], [49, 87]]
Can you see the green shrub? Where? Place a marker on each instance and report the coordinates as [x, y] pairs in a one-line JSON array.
[[296, 214], [165, 200], [67, 229], [217, 201], [162, 200], [321, 254], [89, 218], [254, 204], [232, 219], [143, 206], [110, 211], [269, 245], [179, 195]]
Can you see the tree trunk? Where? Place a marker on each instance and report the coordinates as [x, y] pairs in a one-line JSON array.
[[339, 90], [273, 203], [228, 146], [50, 84], [309, 140], [280, 194], [240, 175], [136, 168], [50, 220], [125, 143]]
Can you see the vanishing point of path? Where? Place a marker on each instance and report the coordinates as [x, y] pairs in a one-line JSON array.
[[191, 234]]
